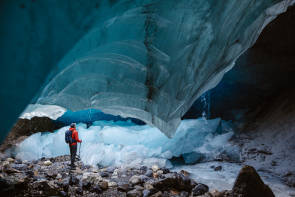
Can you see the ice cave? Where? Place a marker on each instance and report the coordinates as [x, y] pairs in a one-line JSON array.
[[199, 92]]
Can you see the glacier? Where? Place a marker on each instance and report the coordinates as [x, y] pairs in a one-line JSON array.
[[123, 143], [145, 59]]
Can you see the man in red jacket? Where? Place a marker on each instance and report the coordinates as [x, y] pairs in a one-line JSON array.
[[73, 146]]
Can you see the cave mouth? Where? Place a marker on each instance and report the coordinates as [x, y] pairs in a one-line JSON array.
[[247, 93], [262, 75], [258, 93]]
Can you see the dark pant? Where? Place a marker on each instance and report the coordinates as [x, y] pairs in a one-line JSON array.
[[73, 150]]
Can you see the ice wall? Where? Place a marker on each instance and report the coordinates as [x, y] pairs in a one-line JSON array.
[[34, 36], [145, 61], [109, 143]]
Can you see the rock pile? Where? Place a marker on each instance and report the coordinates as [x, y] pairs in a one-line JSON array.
[[53, 177]]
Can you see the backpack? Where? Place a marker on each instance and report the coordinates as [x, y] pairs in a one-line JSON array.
[[68, 137]]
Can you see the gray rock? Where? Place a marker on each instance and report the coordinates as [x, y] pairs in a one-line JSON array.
[[173, 180], [218, 168], [146, 193], [165, 170], [139, 188], [123, 187], [149, 173], [155, 168], [144, 178], [134, 193], [47, 163], [143, 168], [19, 166], [200, 189], [104, 174], [135, 180], [249, 183], [51, 174], [103, 185]]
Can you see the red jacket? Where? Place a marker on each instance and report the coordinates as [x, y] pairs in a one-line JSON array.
[[75, 136]]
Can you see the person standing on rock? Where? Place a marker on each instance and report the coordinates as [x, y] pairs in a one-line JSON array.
[[73, 144]]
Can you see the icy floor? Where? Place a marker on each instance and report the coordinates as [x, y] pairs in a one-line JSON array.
[[224, 179]]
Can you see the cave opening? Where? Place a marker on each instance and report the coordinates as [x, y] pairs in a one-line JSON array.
[[247, 119]]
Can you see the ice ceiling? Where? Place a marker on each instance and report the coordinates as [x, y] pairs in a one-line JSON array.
[[151, 59]]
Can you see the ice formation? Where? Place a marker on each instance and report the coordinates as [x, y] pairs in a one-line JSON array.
[[109, 143], [37, 110], [151, 60], [180, 34]]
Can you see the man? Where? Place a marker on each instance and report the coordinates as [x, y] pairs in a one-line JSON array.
[[73, 146]]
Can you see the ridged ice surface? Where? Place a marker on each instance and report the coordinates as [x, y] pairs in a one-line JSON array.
[[152, 59]]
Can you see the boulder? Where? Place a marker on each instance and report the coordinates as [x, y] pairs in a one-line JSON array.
[[165, 170], [10, 170], [123, 187], [47, 163], [174, 180], [143, 169], [139, 188], [134, 193], [155, 168], [160, 172], [103, 185], [146, 193], [10, 160], [104, 174], [149, 173], [184, 173], [200, 189], [135, 180], [249, 184], [218, 168], [112, 184], [21, 167]]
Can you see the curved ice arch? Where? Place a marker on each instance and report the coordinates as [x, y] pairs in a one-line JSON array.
[[152, 59]]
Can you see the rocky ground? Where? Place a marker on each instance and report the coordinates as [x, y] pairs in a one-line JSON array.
[[53, 177]]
